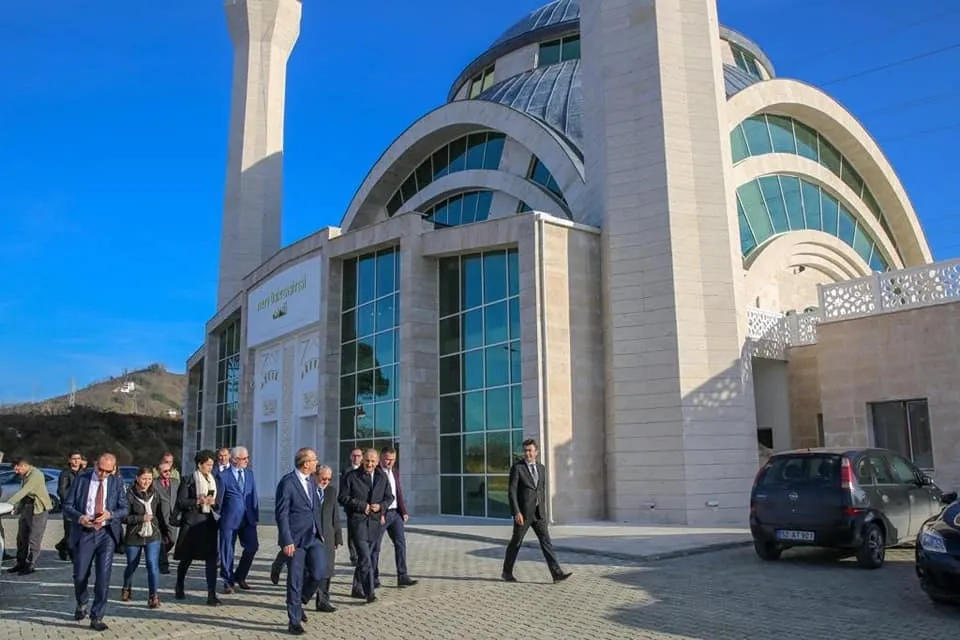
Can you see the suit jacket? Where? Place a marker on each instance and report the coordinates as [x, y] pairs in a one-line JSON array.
[[114, 501], [168, 499], [401, 505], [236, 504], [525, 495], [330, 528], [297, 516], [357, 492]]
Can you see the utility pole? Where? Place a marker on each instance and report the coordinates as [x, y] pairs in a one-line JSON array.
[[72, 400]]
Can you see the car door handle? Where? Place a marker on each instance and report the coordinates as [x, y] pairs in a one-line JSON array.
[[884, 497]]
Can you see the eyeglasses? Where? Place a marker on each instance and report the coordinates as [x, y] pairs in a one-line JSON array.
[[104, 471], [325, 479]]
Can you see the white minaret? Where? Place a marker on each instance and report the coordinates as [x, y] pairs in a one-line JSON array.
[[263, 34]]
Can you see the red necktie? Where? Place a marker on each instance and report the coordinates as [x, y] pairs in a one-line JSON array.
[[165, 483], [98, 508]]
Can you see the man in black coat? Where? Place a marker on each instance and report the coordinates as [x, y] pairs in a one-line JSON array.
[[365, 495], [527, 495], [67, 476], [354, 463], [332, 538]]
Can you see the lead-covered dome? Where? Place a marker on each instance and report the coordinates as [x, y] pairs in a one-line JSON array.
[[554, 13]]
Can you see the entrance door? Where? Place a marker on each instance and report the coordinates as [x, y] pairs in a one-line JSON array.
[[266, 452]]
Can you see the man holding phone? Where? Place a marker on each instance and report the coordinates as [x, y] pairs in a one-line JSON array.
[[97, 505]]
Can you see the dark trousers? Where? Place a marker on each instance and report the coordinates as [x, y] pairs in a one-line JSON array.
[[323, 590], [210, 566], [247, 534], [64, 545], [30, 530], [393, 527], [94, 551], [304, 573], [165, 552], [350, 546], [363, 578], [539, 527]]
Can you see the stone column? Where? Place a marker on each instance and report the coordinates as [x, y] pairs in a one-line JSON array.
[[263, 33], [679, 446]]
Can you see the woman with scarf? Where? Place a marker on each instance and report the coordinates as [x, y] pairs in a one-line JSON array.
[[197, 539], [143, 535]]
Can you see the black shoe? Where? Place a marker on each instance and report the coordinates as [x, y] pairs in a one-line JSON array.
[[275, 575], [357, 594], [376, 584], [325, 607], [563, 575], [165, 570], [303, 616], [98, 625], [371, 598], [62, 552], [27, 570], [353, 562], [179, 594], [295, 629], [7, 557], [17, 568], [213, 600], [406, 581], [507, 577], [80, 613]]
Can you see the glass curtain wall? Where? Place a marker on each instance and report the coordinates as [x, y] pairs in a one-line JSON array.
[[369, 351], [480, 393], [228, 385]]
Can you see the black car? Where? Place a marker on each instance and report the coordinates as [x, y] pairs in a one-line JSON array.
[[860, 500], [938, 553]]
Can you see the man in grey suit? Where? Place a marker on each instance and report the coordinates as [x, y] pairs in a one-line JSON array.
[[527, 496], [166, 487]]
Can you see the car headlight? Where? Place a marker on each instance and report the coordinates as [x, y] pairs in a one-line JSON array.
[[932, 541]]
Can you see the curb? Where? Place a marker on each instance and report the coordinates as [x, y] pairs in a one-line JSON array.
[[629, 557]]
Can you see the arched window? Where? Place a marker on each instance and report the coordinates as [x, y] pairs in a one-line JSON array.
[[463, 208], [776, 204]]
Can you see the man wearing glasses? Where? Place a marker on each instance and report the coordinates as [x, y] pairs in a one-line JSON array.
[[239, 515], [95, 506]]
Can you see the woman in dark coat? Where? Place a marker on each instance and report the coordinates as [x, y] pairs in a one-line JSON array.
[[197, 538], [143, 536]]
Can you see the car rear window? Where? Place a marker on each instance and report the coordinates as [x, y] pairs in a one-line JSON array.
[[802, 469]]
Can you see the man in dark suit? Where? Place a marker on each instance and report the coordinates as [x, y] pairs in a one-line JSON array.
[[167, 487], [67, 476], [394, 518], [332, 537], [354, 463], [527, 495], [365, 495], [96, 505], [239, 515], [299, 528]]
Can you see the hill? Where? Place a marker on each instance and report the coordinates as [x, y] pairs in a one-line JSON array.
[[152, 391], [48, 438]]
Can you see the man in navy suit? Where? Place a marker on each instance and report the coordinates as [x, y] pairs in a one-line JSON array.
[[299, 527], [239, 515], [97, 505], [366, 495]]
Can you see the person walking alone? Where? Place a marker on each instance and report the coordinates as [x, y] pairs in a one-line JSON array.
[[143, 536]]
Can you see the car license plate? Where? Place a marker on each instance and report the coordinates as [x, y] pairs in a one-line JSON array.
[[795, 536]]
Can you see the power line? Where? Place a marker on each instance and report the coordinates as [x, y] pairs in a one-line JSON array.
[[909, 104], [915, 134], [891, 65], [874, 36]]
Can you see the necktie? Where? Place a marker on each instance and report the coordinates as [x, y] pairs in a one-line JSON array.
[[533, 472], [98, 501], [320, 493], [241, 480]]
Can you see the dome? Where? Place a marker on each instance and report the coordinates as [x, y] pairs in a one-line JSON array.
[[555, 13]]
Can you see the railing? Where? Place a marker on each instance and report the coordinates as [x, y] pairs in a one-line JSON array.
[[771, 332], [892, 291]]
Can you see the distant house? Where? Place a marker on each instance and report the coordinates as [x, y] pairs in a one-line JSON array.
[[126, 387]]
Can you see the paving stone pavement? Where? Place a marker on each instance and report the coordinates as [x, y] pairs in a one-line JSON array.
[[726, 595]]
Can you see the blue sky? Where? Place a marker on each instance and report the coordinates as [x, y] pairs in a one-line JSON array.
[[113, 121]]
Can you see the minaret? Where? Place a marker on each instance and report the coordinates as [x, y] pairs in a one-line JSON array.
[[263, 34]]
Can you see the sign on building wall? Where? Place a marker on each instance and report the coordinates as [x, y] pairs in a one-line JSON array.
[[284, 303], [268, 383], [306, 375]]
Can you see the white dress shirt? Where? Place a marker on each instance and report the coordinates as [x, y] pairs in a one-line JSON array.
[[90, 508], [306, 485], [393, 487]]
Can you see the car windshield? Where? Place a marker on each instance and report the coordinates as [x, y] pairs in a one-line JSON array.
[[128, 473], [6, 477], [802, 469]]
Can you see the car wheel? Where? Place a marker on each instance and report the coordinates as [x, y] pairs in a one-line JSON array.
[[872, 550], [767, 550]]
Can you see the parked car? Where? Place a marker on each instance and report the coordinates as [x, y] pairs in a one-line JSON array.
[[10, 484], [859, 500], [938, 553], [129, 474]]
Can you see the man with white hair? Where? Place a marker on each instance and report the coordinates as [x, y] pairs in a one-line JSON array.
[[239, 515]]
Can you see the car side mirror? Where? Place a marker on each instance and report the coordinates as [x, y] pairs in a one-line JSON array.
[[948, 498], [925, 480]]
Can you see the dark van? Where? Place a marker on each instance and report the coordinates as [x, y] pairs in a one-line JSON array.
[[861, 500]]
